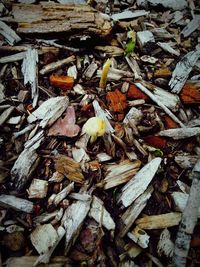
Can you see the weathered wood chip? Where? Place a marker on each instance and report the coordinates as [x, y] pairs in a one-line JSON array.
[[100, 214], [38, 189], [8, 33], [138, 184], [165, 245], [70, 168], [180, 133], [16, 203], [159, 221]]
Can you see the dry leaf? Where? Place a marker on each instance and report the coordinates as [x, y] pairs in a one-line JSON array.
[[135, 93], [116, 101], [65, 126]]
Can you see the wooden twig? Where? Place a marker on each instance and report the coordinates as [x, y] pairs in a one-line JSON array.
[[188, 221]]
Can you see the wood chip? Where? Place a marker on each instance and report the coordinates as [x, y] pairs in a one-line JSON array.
[[180, 133], [128, 14], [16, 203], [100, 214], [138, 184], [165, 245], [8, 33], [139, 236], [159, 221], [38, 189]]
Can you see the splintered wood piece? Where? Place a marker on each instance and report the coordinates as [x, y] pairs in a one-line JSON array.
[[48, 18], [191, 26], [159, 221], [143, 37], [156, 100], [183, 69], [139, 236], [167, 47], [45, 258], [116, 101], [28, 261], [185, 160], [139, 183], [57, 65], [26, 162], [49, 111], [70, 168], [72, 220], [165, 245], [190, 94], [163, 73], [117, 174], [16, 203], [10, 35], [100, 214], [30, 71], [180, 133], [43, 237], [188, 220], [180, 201], [5, 115], [62, 194], [61, 81], [131, 214], [128, 14], [38, 189]]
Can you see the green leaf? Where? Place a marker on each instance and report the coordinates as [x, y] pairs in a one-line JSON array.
[[129, 48]]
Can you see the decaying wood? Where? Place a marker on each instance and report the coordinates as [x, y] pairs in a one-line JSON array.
[[29, 70], [168, 112], [62, 194], [5, 115], [8, 33], [159, 221], [117, 174], [180, 133], [183, 69], [61, 18], [165, 245], [28, 261], [72, 221], [56, 65], [16, 203], [26, 163], [131, 214], [138, 184], [180, 201], [49, 111], [168, 48], [188, 221], [100, 214], [144, 37]]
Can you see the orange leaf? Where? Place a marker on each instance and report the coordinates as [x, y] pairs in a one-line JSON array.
[[61, 81], [135, 93], [116, 101], [156, 141], [169, 123], [190, 94]]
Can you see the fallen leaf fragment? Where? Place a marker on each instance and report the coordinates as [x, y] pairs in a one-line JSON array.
[[190, 94], [116, 101], [156, 141], [61, 81], [65, 126], [106, 67], [135, 93], [70, 168], [94, 127]]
